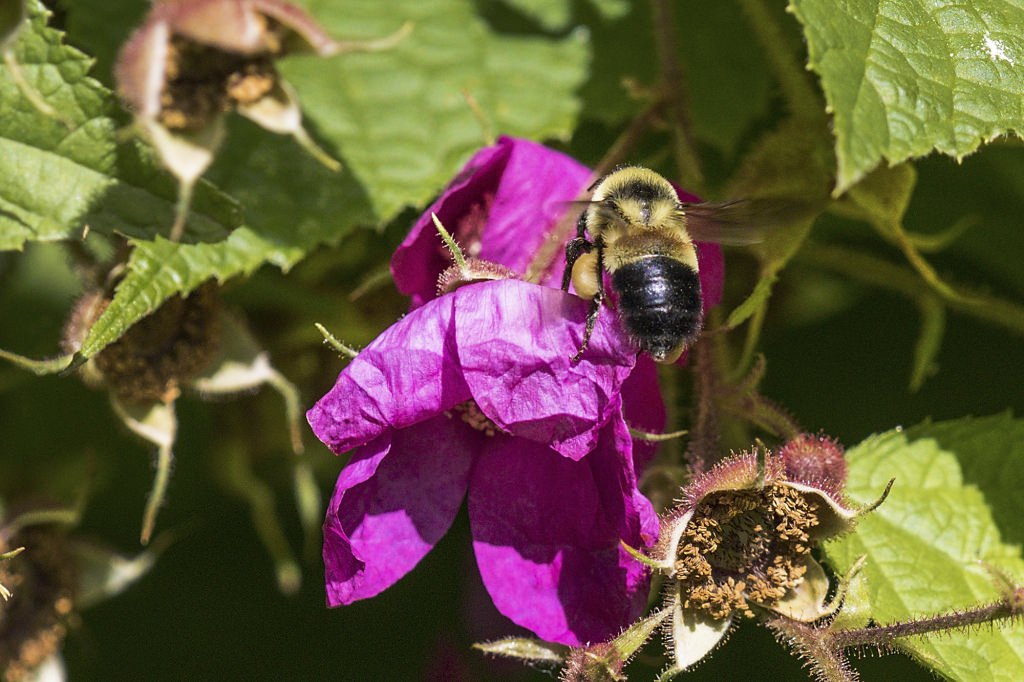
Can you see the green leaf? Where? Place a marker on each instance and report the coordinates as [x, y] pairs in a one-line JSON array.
[[58, 176], [99, 28], [927, 545], [292, 205], [990, 451], [554, 15], [403, 128], [905, 78], [400, 120]]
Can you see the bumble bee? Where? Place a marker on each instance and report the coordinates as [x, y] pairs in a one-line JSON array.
[[643, 236]]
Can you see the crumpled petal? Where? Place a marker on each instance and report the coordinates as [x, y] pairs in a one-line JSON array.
[[514, 342], [546, 533], [527, 184], [392, 503], [408, 374], [507, 345]]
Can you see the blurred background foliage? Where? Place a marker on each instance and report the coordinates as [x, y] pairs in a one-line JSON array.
[[840, 348]]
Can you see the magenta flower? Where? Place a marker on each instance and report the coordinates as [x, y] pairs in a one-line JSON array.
[[500, 208], [474, 391], [473, 394]]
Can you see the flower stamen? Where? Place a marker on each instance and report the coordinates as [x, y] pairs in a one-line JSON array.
[[471, 413], [745, 546]]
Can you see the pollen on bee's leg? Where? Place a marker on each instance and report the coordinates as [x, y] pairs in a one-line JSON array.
[[585, 274]]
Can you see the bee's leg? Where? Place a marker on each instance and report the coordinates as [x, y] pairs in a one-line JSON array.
[[574, 249], [595, 306]]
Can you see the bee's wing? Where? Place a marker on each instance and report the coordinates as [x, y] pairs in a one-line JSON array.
[[743, 221]]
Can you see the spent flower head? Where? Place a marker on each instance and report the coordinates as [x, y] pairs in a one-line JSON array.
[[189, 343], [193, 61], [740, 543]]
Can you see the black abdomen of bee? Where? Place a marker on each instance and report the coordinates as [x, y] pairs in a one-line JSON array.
[[659, 303]]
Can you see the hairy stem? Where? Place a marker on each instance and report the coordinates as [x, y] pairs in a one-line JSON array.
[[885, 635], [815, 648]]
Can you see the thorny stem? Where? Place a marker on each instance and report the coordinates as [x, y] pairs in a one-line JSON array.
[[762, 412], [703, 450], [666, 40], [237, 474], [164, 460], [754, 327], [181, 210], [784, 61], [485, 123], [927, 272], [813, 646], [649, 437], [821, 648], [564, 229], [885, 635], [375, 279], [715, 395]]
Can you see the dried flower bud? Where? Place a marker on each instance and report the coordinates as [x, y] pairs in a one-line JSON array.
[[193, 61], [473, 270], [34, 622], [816, 461], [160, 353]]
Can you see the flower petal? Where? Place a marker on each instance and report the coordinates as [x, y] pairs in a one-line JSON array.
[[140, 68], [392, 503], [546, 532], [643, 407], [807, 602], [420, 259], [711, 271], [534, 187], [694, 634], [514, 342], [406, 375], [517, 187], [231, 25]]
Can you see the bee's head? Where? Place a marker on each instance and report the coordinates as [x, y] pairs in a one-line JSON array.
[[635, 196]]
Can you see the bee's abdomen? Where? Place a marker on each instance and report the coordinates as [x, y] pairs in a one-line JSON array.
[[659, 303]]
